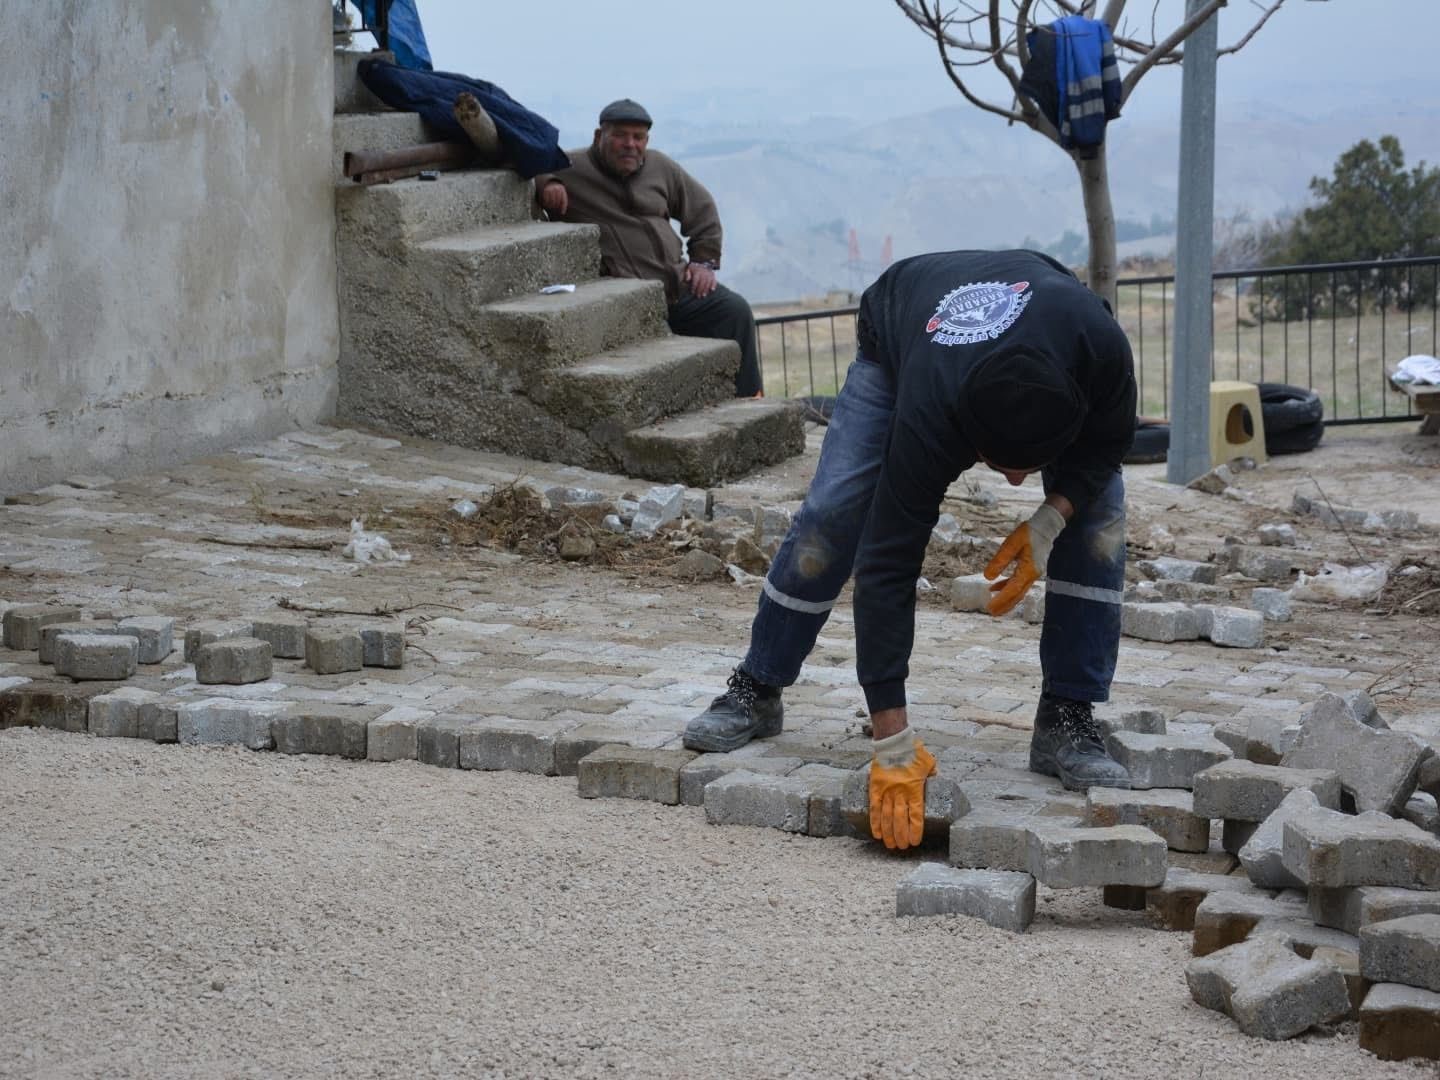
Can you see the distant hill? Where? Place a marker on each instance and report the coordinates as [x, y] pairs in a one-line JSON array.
[[957, 178]]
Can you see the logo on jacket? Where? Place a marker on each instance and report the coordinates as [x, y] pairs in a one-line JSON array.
[[981, 311]]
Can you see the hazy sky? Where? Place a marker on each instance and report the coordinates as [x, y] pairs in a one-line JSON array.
[[758, 61]]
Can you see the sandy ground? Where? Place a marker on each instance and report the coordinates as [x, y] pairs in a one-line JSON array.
[[170, 912]]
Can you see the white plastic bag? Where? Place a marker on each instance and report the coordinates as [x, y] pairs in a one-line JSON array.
[[1337, 582], [370, 547]]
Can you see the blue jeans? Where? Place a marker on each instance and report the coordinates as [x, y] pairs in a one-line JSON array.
[[1080, 639]]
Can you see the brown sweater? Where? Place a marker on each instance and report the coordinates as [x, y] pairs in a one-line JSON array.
[[634, 212]]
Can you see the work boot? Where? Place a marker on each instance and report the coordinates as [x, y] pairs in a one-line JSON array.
[[1066, 743], [747, 710]]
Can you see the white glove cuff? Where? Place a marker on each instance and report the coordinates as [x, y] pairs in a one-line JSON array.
[[896, 751], [1047, 522]]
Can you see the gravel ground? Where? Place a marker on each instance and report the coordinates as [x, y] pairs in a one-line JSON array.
[[213, 912]]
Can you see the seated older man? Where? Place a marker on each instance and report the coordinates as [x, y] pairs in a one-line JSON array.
[[632, 193]]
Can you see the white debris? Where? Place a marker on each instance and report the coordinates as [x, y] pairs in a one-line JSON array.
[[370, 547]]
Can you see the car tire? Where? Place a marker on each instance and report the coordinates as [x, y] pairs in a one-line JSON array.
[[1285, 408], [1151, 445], [1294, 441]]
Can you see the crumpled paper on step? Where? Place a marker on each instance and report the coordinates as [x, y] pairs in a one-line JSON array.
[[367, 547]]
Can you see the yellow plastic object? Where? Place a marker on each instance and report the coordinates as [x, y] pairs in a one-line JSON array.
[[1237, 425]]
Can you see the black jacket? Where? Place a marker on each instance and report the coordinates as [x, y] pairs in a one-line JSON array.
[[929, 321]]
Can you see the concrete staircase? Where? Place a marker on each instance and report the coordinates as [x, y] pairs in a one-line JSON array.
[[445, 334]]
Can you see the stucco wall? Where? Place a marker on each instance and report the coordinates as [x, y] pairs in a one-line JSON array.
[[167, 234]]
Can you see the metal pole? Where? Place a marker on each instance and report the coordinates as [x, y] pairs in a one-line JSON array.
[[1189, 454]]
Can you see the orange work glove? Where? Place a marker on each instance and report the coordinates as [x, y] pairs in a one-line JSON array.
[[1028, 550], [897, 789]]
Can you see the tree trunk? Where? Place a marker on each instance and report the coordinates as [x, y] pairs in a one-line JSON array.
[[1100, 223]]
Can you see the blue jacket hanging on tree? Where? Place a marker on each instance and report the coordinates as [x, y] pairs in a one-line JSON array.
[[1073, 78]]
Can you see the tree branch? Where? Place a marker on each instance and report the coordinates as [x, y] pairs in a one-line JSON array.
[[1113, 11], [933, 24], [998, 45], [1253, 30], [1180, 33]]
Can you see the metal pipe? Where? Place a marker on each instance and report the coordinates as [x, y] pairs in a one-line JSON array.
[[450, 155]]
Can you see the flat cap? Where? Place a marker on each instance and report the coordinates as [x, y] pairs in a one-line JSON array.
[[625, 111]]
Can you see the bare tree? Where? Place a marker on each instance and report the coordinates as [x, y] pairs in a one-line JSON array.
[[973, 34]]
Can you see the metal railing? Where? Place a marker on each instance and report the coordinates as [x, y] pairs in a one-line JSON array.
[[381, 28], [1337, 328]]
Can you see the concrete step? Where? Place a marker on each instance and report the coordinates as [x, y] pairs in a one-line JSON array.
[[635, 385], [546, 331], [406, 212], [387, 130], [469, 270], [351, 95], [716, 443]]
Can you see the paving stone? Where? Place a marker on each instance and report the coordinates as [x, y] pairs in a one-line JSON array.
[[1404, 950], [991, 839], [707, 767], [1234, 628], [1167, 568], [50, 631], [391, 736], [660, 506], [827, 800], [1245, 791], [1277, 535], [22, 624], [96, 657], [1421, 809], [1263, 854], [1110, 719], [1355, 908], [747, 798], [285, 634], [236, 661], [1399, 1022], [437, 740], [1362, 707], [1165, 761], [208, 630], [336, 730], [1167, 812], [584, 739], [1227, 916], [1234, 835], [154, 633], [329, 651], [1214, 861], [1428, 780], [1347, 962], [227, 722], [945, 802], [623, 772], [1304, 936], [158, 721], [1260, 563], [1001, 898], [1261, 739], [970, 592], [1032, 605], [1331, 850], [1163, 622], [1073, 858], [1269, 990], [116, 715], [1124, 897], [1274, 605], [382, 644], [1378, 769], [1172, 903], [502, 744]]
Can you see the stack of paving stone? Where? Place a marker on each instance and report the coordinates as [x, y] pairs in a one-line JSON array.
[[1337, 914], [1181, 601], [88, 650]]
